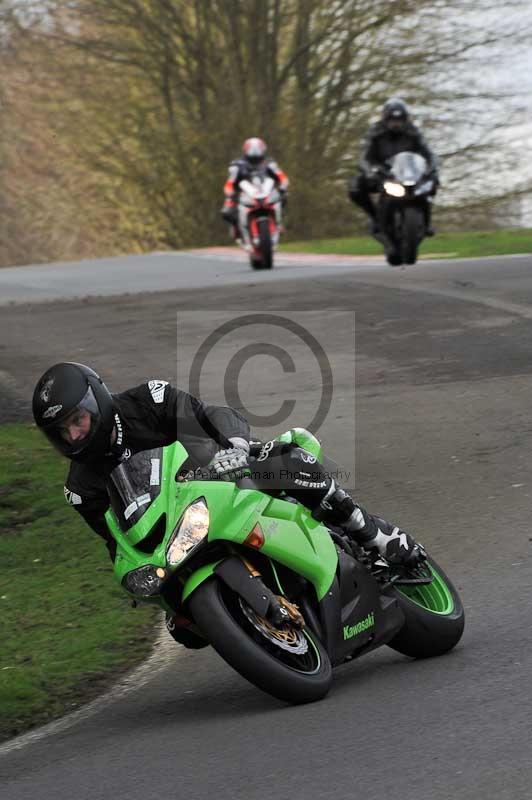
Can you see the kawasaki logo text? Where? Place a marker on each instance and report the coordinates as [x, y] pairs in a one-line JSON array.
[[353, 630]]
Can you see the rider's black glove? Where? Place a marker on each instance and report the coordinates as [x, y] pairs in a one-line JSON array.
[[229, 214], [284, 199], [375, 177]]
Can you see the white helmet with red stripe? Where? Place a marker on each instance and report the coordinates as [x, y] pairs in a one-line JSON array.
[[254, 150]]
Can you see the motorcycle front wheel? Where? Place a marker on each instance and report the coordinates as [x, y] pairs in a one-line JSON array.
[[265, 246], [390, 221], [434, 616], [413, 228], [393, 258], [288, 663]]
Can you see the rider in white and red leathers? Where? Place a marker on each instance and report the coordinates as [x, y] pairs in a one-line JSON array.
[[253, 160]]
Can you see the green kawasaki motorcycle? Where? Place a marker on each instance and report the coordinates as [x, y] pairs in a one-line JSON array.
[[281, 597]]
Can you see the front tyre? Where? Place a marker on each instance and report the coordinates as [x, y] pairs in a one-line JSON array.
[[434, 616], [393, 258], [256, 263], [265, 246], [234, 632], [390, 221], [413, 229]]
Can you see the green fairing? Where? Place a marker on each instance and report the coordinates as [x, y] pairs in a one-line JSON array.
[[127, 556], [292, 537], [203, 526], [197, 578]]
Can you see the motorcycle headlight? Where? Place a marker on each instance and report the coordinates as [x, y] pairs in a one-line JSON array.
[[144, 581], [394, 189], [192, 529]]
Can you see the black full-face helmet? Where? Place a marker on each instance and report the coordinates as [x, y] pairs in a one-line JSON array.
[[395, 115], [68, 392]]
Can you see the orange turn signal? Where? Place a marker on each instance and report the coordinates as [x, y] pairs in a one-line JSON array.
[[255, 537]]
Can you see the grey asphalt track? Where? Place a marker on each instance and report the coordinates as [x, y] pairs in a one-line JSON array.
[[443, 442], [155, 272]]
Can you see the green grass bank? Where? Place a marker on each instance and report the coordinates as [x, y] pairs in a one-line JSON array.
[[67, 628], [443, 245]]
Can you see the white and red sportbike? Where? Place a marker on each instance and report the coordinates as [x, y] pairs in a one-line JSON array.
[[259, 219]]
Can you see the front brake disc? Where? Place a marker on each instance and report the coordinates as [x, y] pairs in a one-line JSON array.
[[287, 638]]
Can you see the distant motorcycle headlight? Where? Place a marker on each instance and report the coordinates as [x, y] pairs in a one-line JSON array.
[[143, 581], [394, 189], [192, 529]]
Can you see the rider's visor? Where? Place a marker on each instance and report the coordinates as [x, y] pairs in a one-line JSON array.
[[72, 432], [396, 124]]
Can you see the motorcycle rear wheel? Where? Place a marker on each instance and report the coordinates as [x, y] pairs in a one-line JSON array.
[[302, 678], [434, 616]]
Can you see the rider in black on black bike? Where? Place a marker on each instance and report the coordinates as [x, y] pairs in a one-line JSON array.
[[393, 134]]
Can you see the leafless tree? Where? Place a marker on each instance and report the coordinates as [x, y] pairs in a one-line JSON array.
[[153, 97]]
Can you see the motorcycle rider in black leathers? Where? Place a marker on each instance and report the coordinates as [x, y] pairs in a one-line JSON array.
[[393, 134], [253, 159], [97, 430]]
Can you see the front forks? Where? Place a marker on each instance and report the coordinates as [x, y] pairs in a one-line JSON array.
[[244, 578], [279, 605]]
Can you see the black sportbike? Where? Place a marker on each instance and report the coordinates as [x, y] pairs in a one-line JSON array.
[[405, 191]]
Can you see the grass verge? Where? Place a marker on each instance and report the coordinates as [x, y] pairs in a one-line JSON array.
[[443, 245], [67, 628]]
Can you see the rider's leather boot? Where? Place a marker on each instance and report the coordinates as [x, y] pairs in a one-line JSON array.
[[371, 533]]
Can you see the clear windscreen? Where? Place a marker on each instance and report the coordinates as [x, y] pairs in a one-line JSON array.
[[259, 185], [408, 168], [134, 484]]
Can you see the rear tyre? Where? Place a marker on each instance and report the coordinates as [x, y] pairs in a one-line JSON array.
[[434, 616], [413, 229], [265, 244], [294, 678]]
